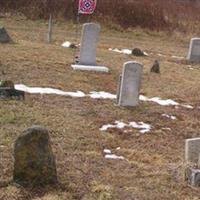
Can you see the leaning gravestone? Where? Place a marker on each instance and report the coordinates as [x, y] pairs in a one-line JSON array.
[[4, 37], [194, 50], [34, 160], [89, 42], [129, 86]]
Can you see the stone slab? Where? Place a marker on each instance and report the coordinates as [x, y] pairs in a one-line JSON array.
[[4, 37], [192, 150], [90, 68], [194, 50], [130, 84]]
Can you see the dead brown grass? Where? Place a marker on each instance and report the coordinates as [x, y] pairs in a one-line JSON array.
[[154, 15], [153, 169]]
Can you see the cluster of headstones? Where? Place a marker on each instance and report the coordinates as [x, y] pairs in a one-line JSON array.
[[34, 161]]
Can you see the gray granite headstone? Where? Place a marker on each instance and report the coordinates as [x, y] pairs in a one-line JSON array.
[[4, 37], [128, 94], [194, 50], [89, 41], [192, 150]]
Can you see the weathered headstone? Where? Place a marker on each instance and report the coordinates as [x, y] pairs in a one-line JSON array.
[[4, 37], [192, 176], [194, 50], [8, 91], [34, 160], [89, 42], [128, 94], [192, 150]]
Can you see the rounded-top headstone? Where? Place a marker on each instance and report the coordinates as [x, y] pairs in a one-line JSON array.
[[194, 50], [89, 41], [129, 87], [34, 162], [4, 37]]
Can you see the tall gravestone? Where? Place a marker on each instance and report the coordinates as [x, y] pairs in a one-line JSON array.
[[89, 42], [194, 50], [4, 37], [34, 162], [129, 86]]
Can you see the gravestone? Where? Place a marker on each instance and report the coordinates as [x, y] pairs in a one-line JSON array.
[[194, 50], [192, 150], [192, 176], [34, 162], [128, 94], [89, 42], [4, 37], [8, 91]]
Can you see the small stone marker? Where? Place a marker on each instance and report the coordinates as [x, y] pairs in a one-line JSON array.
[[8, 91], [128, 94], [192, 176], [192, 150], [4, 37], [194, 50], [34, 160], [89, 42]]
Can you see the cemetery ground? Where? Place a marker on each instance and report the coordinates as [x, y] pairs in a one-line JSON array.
[[153, 167]]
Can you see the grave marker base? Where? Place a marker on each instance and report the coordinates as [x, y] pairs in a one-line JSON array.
[[90, 68]]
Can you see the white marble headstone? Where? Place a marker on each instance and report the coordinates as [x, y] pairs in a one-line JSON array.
[[89, 42], [194, 50], [128, 94]]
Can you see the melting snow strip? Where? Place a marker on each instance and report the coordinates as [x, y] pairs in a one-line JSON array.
[[169, 116], [143, 127], [125, 51], [94, 95], [114, 157]]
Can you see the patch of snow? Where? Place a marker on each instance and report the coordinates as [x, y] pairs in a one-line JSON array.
[[124, 51], [140, 125], [187, 106], [102, 95], [143, 127], [107, 151], [66, 44], [145, 53], [167, 102], [169, 116], [93, 94], [114, 157], [118, 148], [40, 90]]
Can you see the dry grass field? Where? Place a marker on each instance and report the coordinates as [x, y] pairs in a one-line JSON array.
[[153, 168]]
